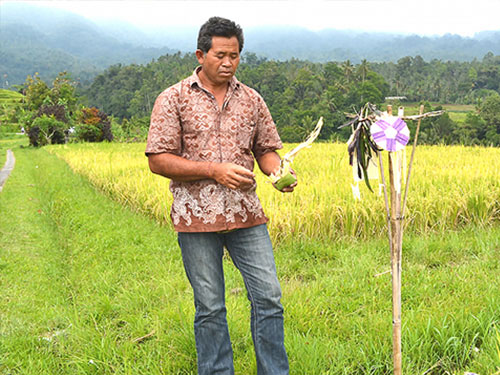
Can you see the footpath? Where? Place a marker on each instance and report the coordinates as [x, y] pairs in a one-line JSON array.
[[8, 167]]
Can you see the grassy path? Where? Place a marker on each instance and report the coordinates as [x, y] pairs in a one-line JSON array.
[[83, 278]]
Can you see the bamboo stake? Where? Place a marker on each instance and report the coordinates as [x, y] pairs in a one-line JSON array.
[[397, 218], [395, 242], [387, 208], [396, 268], [411, 158]]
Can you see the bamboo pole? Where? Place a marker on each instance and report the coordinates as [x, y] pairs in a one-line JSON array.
[[394, 230], [411, 158], [397, 218], [396, 269]]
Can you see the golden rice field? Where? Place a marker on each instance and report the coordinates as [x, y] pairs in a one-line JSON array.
[[451, 186]]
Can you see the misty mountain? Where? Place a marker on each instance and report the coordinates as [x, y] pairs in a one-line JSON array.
[[47, 40]]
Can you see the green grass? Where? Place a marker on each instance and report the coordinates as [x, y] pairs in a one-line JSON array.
[[9, 96], [81, 277], [9, 100]]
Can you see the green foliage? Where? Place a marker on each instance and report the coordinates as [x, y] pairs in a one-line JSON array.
[[439, 81], [490, 113], [93, 126], [58, 111], [10, 111], [47, 112], [135, 129], [9, 128], [47, 130], [51, 112], [125, 91], [472, 130], [36, 92], [299, 92]]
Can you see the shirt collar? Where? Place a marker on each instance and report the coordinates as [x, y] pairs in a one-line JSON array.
[[195, 80]]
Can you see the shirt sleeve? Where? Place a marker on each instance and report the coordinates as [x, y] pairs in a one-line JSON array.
[[266, 137], [165, 128]]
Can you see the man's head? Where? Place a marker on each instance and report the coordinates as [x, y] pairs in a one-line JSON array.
[[217, 26], [219, 45]]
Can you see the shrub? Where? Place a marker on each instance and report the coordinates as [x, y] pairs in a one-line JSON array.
[[94, 126], [135, 129], [47, 130]]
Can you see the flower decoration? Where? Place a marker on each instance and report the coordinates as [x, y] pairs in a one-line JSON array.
[[390, 133]]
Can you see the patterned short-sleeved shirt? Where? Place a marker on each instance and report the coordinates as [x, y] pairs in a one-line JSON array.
[[187, 121]]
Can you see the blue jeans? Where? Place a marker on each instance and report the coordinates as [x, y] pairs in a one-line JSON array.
[[252, 253]]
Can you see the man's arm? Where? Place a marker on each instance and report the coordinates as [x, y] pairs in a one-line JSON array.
[[270, 163], [178, 168]]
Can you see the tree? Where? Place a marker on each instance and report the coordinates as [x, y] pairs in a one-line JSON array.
[[348, 69], [46, 130], [472, 130], [36, 91], [490, 113], [54, 107], [363, 70]]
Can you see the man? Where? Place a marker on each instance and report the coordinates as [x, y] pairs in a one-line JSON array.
[[205, 133]]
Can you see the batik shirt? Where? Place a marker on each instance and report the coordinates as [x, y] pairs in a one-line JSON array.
[[187, 121]]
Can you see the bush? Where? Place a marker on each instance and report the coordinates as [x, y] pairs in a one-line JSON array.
[[47, 130], [135, 129], [94, 126]]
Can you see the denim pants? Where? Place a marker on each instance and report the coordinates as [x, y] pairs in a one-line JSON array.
[[252, 253]]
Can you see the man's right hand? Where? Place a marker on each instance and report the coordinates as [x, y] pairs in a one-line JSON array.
[[232, 175]]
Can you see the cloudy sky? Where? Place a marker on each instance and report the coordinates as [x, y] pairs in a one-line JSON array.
[[424, 17]]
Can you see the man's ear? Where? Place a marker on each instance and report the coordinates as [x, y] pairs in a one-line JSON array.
[[200, 55]]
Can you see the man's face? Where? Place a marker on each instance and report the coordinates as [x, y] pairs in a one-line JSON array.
[[220, 62]]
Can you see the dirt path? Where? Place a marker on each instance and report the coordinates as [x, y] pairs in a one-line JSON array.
[[7, 168]]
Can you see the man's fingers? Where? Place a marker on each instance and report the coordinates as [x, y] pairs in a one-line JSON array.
[[242, 171], [234, 176]]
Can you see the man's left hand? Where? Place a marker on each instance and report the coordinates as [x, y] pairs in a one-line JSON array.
[[289, 188]]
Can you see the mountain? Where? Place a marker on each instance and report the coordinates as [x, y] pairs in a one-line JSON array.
[[285, 43], [48, 40]]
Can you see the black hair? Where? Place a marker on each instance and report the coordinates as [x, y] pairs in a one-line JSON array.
[[218, 26]]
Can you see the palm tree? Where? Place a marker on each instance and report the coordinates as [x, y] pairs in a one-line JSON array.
[[363, 69], [348, 69]]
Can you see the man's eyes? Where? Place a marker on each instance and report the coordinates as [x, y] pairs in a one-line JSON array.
[[220, 56]]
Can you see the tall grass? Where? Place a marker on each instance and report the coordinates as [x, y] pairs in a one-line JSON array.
[[451, 187]]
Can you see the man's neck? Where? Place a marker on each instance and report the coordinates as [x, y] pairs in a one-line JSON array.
[[217, 90]]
